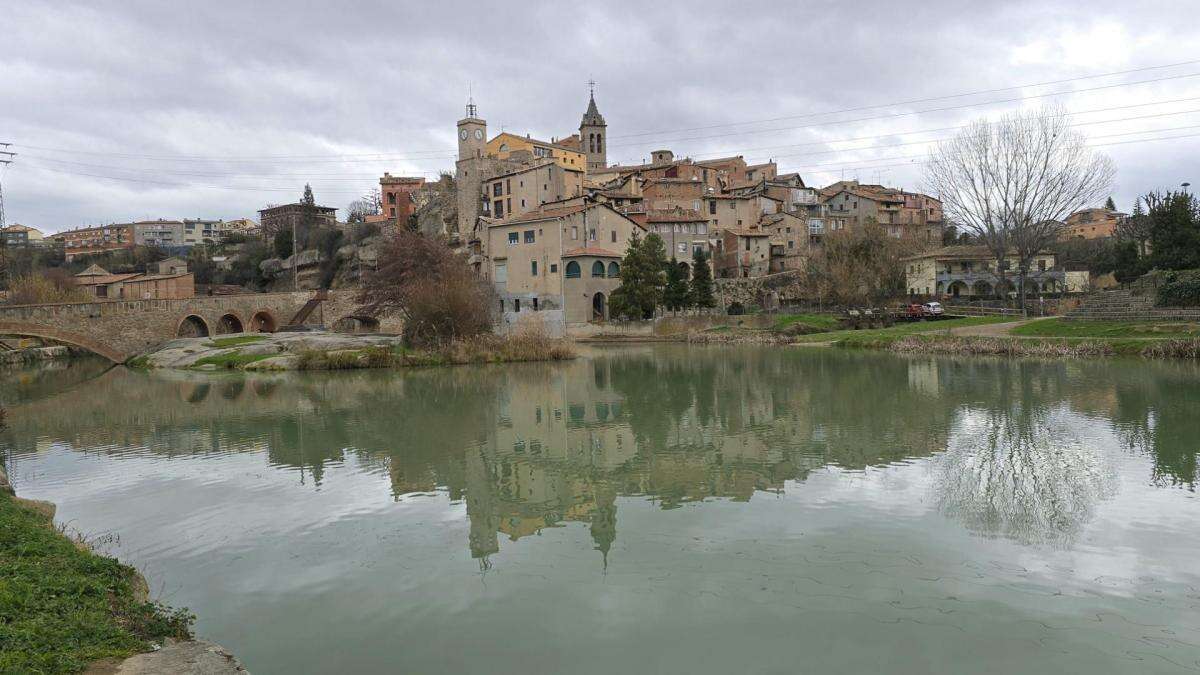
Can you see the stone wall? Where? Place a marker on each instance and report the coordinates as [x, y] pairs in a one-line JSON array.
[[765, 292]]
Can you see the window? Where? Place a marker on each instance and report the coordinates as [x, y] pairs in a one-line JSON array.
[[712, 207], [391, 200], [747, 243], [553, 268], [598, 269], [522, 203], [592, 234], [1041, 265], [508, 185], [512, 238], [614, 236], [501, 271], [516, 304], [573, 270], [533, 268], [682, 247], [732, 206], [535, 308], [575, 232], [498, 208], [392, 212], [508, 205], [791, 243], [529, 237], [614, 270], [497, 189]]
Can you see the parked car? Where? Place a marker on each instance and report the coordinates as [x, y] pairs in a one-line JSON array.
[[933, 309], [914, 310]]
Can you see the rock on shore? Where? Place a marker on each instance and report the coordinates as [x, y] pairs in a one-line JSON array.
[[258, 351], [176, 657]]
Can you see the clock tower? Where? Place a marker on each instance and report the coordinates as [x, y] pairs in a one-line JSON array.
[[469, 169], [472, 134]]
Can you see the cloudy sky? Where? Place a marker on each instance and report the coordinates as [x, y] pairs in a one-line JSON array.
[[130, 110]]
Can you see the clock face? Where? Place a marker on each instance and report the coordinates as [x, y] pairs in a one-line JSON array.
[[462, 133], [479, 134]]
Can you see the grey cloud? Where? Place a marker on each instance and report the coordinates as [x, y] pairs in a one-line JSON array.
[[220, 80]]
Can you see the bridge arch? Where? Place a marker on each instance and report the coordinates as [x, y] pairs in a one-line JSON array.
[[69, 337], [191, 326], [263, 321], [229, 323]]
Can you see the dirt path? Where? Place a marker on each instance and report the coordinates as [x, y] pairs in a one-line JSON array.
[[990, 329]]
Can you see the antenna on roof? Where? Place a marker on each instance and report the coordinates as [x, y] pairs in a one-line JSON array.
[[471, 109]]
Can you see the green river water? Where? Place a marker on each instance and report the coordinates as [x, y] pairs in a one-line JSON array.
[[660, 509]]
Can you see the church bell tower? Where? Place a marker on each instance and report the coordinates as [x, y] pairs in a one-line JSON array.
[[593, 134], [472, 150]]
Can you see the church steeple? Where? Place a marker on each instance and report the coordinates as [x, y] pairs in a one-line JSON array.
[[592, 133]]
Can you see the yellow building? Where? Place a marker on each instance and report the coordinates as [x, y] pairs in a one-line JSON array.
[[504, 145]]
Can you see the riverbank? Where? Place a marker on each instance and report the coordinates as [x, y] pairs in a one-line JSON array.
[[997, 336], [337, 351], [62, 606]]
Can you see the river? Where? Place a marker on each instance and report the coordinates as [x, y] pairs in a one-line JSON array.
[[658, 509]]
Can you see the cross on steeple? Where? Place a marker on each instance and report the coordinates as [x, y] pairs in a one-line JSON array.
[[592, 88]]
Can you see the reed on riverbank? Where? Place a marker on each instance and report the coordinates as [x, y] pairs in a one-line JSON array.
[[986, 346], [525, 345]]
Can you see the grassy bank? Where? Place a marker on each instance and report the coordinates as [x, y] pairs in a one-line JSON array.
[[1058, 327], [62, 606], [1047, 347], [874, 337]]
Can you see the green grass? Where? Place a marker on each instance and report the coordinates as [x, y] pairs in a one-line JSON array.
[[231, 360], [62, 607], [1108, 329], [876, 336], [235, 341], [822, 321]]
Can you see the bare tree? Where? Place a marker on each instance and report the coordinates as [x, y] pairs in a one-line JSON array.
[[370, 204], [1012, 183]]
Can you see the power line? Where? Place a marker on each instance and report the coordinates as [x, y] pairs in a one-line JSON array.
[[435, 154], [922, 100], [916, 112]]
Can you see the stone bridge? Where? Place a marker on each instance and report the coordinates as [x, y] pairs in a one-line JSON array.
[[121, 329]]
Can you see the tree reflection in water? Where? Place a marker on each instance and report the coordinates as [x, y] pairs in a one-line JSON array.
[[1022, 473]]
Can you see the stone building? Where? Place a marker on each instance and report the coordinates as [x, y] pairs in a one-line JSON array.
[[902, 214], [593, 136], [547, 259], [286, 216], [742, 253], [683, 231], [971, 272]]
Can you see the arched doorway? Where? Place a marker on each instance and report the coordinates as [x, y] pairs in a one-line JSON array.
[[192, 326], [983, 289], [957, 288], [599, 307], [263, 322], [735, 309], [687, 271], [229, 323]]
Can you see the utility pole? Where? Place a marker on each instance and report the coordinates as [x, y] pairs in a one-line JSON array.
[[6, 158]]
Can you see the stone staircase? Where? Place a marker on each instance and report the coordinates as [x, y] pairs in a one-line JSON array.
[[1124, 305]]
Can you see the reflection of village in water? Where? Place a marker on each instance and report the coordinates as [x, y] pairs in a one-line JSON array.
[[534, 446]]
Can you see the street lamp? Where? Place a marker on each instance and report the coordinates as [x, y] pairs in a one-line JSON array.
[[1185, 186]]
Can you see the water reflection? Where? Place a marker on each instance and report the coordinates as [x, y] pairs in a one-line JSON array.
[[537, 446]]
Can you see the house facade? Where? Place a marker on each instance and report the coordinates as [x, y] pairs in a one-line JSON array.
[[546, 260], [971, 272]]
